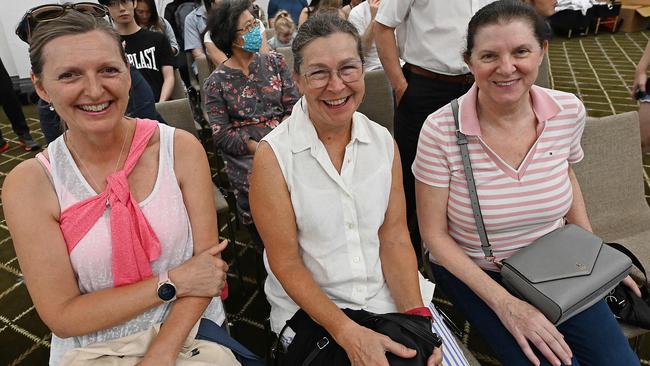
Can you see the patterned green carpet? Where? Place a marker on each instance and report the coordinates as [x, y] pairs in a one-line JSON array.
[[598, 69]]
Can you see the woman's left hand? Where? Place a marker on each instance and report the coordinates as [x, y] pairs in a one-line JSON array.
[[631, 284], [436, 357]]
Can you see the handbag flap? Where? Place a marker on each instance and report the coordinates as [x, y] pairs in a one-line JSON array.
[[569, 251]]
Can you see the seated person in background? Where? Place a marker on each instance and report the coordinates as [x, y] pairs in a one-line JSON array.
[[522, 140], [285, 30], [327, 198], [90, 279], [294, 7], [246, 96], [194, 28], [147, 51], [147, 17], [216, 55], [320, 5], [347, 8], [640, 85]]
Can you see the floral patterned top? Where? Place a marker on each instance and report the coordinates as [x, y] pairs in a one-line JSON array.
[[241, 107]]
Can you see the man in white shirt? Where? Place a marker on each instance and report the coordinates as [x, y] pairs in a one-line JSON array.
[[430, 39], [362, 17]]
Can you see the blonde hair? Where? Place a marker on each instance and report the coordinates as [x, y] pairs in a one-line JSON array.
[[283, 22]]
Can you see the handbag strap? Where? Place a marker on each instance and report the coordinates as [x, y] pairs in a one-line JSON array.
[[431, 338], [461, 140], [632, 257]]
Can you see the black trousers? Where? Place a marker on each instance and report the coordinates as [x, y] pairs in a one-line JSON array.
[[11, 105], [422, 97]]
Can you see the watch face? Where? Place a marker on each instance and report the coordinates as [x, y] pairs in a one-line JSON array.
[[166, 292]]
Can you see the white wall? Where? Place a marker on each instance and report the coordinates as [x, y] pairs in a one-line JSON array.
[[12, 50]]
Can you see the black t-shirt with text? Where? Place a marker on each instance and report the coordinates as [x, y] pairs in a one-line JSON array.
[[148, 52]]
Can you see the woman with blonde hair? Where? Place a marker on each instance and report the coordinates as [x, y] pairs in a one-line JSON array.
[[126, 235], [285, 30]]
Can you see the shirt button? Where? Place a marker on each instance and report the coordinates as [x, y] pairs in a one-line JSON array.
[[350, 225], [356, 259]]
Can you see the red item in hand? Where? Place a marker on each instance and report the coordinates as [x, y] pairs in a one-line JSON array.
[[224, 292], [422, 311]]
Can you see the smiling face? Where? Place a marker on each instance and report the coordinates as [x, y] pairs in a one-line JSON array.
[[505, 61], [85, 79], [334, 103]]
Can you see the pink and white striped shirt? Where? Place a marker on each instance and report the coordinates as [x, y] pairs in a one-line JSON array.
[[518, 205]]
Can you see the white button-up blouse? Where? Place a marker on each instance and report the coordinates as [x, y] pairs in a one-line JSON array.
[[338, 216]]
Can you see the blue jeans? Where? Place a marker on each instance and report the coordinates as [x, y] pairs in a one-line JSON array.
[[594, 336]]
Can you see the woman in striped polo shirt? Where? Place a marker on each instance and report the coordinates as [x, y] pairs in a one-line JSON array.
[[522, 142]]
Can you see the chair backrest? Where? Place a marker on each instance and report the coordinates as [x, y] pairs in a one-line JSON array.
[[611, 175], [179, 91], [544, 77], [378, 102], [288, 56], [203, 68], [178, 113]]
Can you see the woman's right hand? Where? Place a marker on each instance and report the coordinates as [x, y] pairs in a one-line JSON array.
[[526, 323], [203, 275], [365, 347]]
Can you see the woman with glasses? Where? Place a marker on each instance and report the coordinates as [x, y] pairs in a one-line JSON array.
[[327, 198], [246, 96], [126, 234]]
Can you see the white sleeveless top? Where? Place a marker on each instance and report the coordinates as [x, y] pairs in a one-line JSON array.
[[91, 257], [338, 216]]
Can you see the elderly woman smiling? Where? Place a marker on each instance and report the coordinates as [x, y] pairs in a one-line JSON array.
[[327, 198], [522, 140]]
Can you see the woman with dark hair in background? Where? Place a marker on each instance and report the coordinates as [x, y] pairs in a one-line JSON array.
[[147, 17], [320, 5], [246, 96]]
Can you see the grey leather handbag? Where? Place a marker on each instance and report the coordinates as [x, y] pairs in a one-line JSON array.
[[562, 273]]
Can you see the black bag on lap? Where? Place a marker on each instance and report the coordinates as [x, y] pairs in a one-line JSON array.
[[314, 346], [626, 306]]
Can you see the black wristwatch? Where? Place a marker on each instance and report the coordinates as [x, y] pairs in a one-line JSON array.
[[166, 289]]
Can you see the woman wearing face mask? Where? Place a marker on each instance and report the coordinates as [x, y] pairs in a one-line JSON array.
[[246, 96]]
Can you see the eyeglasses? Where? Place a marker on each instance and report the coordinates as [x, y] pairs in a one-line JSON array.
[[348, 72], [250, 26], [45, 13]]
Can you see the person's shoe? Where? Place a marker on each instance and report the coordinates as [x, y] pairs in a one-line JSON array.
[[28, 144], [4, 147]]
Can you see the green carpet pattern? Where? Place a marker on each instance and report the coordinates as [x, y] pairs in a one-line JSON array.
[[598, 69]]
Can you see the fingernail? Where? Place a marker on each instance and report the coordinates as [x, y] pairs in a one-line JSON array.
[[567, 361]]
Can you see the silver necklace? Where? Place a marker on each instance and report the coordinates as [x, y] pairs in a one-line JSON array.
[[83, 165]]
